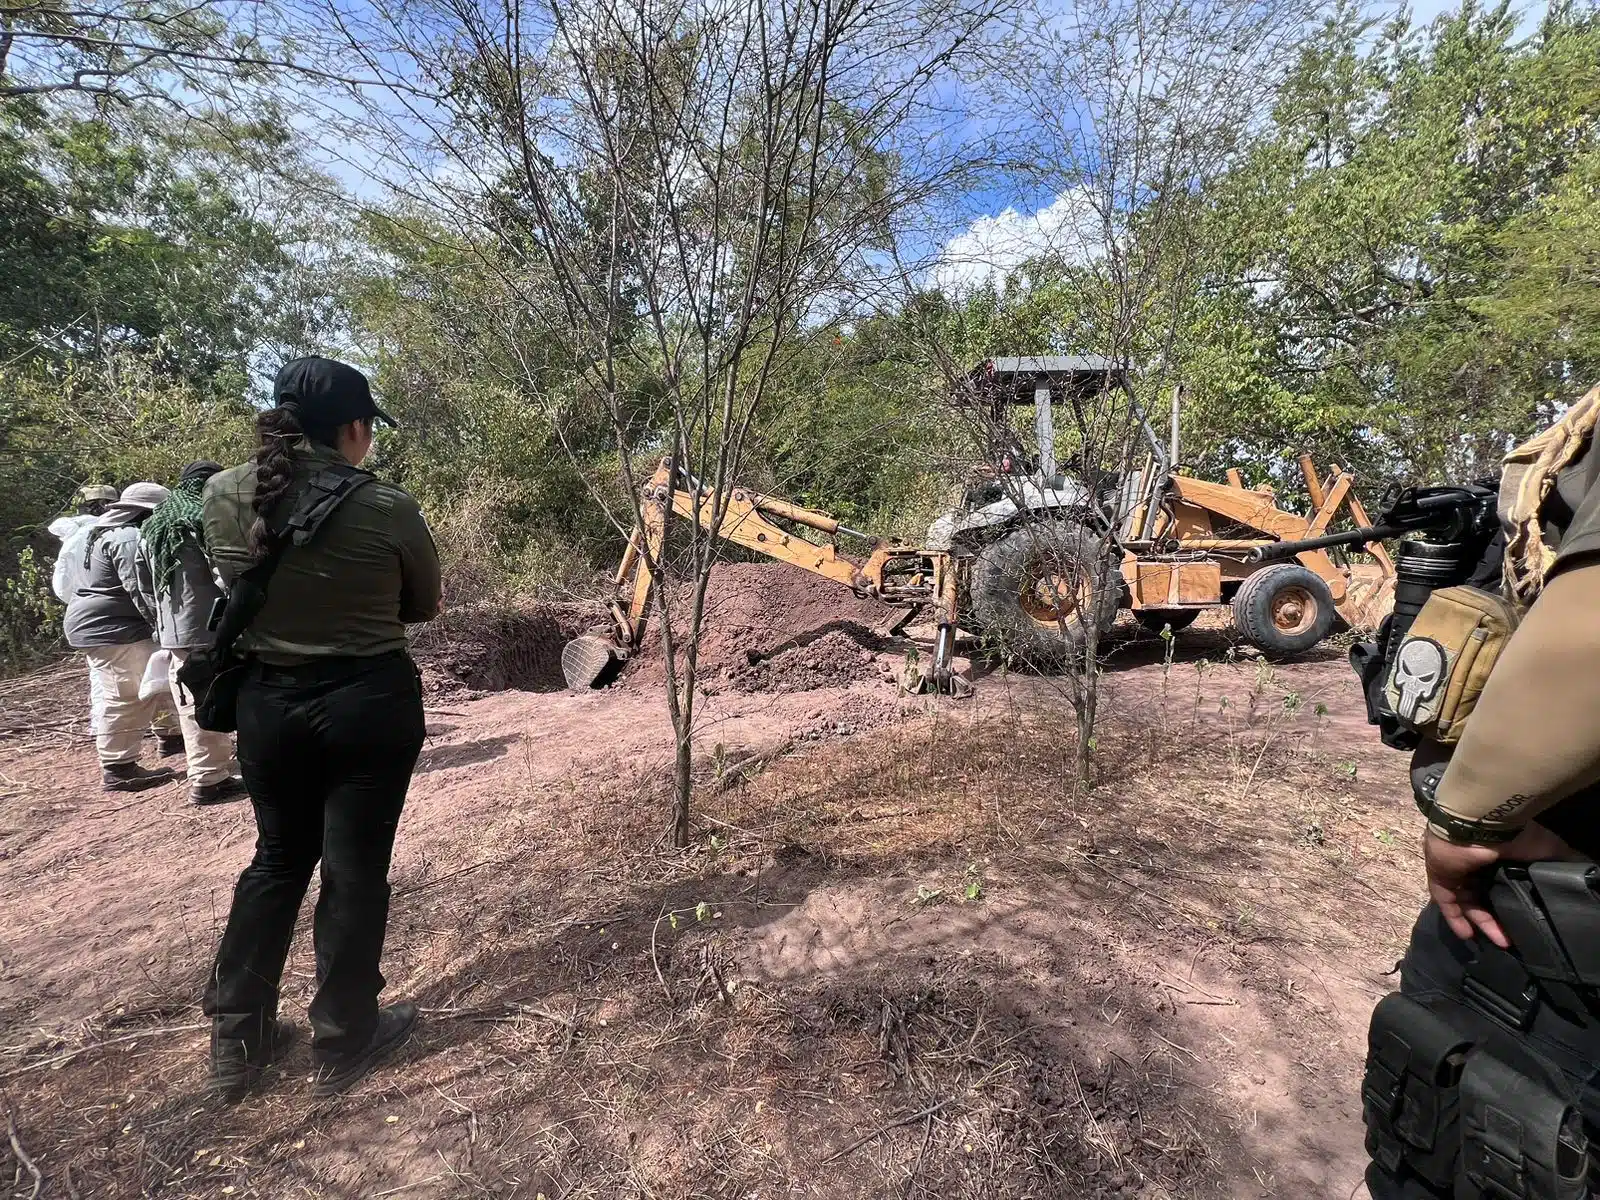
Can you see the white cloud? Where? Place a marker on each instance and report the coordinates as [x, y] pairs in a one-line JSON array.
[[1068, 227]]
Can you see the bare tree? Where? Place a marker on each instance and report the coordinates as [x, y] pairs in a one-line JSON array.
[[1128, 110], [671, 190], [173, 53]]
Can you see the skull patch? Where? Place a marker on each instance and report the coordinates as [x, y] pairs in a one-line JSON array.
[[1418, 676]]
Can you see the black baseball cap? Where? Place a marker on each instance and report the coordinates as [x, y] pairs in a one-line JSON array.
[[199, 472], [327, 392]]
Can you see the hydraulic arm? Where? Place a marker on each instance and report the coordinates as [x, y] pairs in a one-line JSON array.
[[892, 573]]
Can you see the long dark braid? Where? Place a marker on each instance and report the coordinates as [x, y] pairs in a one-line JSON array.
[[279, 429]]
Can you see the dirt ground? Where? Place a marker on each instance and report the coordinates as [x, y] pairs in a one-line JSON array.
[[902, 959]]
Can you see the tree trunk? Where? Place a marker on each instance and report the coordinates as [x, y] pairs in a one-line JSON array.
[[1087, 701], [683, 785]]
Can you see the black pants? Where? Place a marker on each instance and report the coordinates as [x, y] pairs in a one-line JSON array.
[[327, 752], [1435, 966]]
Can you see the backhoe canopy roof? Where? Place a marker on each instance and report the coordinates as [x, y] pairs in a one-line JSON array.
[[1015, 380]]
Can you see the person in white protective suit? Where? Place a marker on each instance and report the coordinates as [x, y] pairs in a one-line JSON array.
[[73, 533]]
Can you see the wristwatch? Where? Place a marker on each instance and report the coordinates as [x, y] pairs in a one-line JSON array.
[[1450, 827]]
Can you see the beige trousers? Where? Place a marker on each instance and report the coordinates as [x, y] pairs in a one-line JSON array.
[[119, 717], [210, 754]]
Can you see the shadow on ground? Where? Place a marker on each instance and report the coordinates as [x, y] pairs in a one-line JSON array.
[[912, 965]]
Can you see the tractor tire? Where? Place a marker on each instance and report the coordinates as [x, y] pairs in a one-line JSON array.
[[1157, 619], [1029, 591], [1283, 610]]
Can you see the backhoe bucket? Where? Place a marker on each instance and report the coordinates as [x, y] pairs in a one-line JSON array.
[[586, 660]]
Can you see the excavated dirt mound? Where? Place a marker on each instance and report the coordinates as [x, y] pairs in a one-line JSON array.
[[770, 627], [838, 656], [495, 649]]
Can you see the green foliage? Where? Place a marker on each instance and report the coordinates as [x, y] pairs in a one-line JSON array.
[[137, 239], [78, 421], [29, 615], [1404, 269], [477, 445], [148, 266], [857, 425], [972, 890]]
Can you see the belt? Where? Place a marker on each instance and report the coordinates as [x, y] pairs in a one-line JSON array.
[[325, 670]]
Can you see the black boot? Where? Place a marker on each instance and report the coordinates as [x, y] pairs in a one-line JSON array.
[[169, 744], [340, 1074], [131, 777], [236, 1068], [220, 792]]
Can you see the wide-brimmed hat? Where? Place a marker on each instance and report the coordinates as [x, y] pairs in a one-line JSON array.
[[137, 499]]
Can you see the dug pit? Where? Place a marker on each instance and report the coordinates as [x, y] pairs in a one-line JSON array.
[[496, 649]]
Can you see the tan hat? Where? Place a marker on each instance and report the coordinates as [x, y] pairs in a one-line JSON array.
[[136, 499], [143, 495]]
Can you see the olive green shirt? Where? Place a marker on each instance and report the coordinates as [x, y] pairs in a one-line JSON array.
[[371, 570]]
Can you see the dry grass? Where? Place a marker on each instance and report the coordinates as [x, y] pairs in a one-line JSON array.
[[599, 1025]]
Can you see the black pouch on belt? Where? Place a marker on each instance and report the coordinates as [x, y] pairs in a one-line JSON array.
[[213, 675], [1410, 1094], [1519, 1139]]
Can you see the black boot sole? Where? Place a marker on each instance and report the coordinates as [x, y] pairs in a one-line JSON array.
[[137, 785], [336, 1080], [227, 797]]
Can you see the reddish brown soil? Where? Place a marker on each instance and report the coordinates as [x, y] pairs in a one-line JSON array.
[[773, 627], [476, 650], [900, 960]]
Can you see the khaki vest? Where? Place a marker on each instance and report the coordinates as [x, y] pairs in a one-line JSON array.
[[1525, 481]]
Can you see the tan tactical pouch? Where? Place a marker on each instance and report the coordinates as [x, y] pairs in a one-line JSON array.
[[1440, 668]]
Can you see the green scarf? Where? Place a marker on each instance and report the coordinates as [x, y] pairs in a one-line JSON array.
[[168, 527]]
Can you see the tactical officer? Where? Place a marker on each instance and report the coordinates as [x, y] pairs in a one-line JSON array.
[[1484, 1070], [330, 724]]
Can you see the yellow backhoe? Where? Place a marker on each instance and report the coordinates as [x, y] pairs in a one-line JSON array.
[[892, 573], [1029, 558]]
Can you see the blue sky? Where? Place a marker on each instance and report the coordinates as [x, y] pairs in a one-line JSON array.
[[994, 225]]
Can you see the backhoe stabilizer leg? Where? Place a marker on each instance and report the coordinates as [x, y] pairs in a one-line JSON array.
[[940, 674], [944, 652]]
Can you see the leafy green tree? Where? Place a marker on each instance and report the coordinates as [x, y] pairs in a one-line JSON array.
[[1411, 247], [158, 268], [454, 352]]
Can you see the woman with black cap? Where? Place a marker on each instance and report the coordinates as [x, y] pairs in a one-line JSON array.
[[329, 728]]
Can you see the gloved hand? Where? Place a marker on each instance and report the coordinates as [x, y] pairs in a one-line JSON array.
[[1455, 876]]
